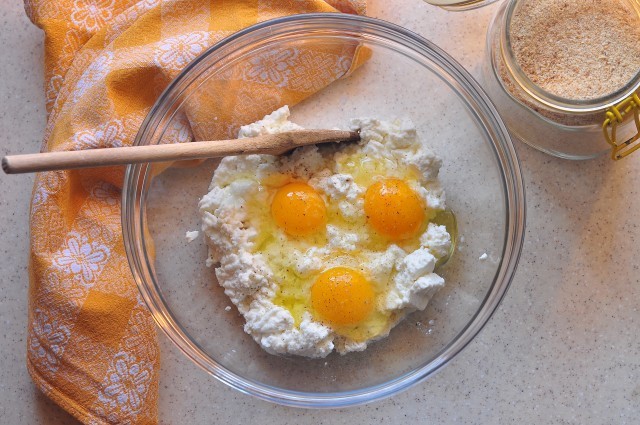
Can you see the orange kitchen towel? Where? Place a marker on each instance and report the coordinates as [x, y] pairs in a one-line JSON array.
[[92, 344]]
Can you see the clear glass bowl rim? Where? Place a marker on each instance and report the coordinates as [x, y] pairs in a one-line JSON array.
[[133, 219]]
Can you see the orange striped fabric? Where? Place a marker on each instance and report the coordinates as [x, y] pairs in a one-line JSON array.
[[92, 344]]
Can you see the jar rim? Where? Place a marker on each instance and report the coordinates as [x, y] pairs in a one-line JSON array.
[[547, 98], [460, 5]]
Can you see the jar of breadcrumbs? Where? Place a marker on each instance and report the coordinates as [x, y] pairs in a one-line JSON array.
[[565, 74]]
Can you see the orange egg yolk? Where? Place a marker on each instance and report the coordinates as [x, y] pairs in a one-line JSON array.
[[342, 297], [393, 209], [298, 209]]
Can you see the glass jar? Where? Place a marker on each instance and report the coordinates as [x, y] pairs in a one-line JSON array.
[[567, 128]]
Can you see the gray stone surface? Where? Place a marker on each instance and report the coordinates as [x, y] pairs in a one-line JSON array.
[[563, 348]]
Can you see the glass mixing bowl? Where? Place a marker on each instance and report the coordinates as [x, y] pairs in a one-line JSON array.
[[403, 75]]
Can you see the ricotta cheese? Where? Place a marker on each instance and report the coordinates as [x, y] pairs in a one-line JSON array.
[[235, 214]]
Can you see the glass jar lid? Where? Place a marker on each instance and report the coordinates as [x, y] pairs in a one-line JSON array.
[[460, 5]]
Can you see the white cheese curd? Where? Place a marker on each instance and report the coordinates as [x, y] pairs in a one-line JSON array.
[[414, 282], [275, 122], [192, 235], [437, 240], [268, 273]]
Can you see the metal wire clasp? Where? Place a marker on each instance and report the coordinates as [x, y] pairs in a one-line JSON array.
[[616, 115]]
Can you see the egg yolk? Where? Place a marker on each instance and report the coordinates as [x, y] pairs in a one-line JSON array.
[[342, 297], [298, 209], [394, 209]]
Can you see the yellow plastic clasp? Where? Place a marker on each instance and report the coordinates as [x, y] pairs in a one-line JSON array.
[[615, 116]]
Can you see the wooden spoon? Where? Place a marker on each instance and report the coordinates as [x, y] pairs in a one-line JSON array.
[[274, 144]]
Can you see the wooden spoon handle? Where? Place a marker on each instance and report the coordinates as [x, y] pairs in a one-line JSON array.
[[270, 143]]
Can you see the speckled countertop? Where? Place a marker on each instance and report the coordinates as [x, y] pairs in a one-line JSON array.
[[564, 346]]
